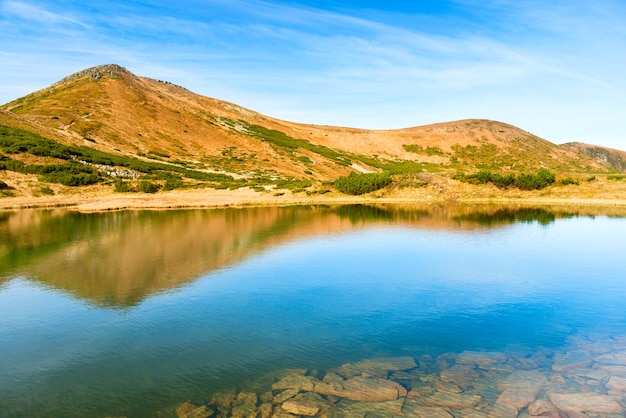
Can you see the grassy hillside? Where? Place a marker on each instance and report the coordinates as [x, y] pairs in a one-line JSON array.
[[107, 126]]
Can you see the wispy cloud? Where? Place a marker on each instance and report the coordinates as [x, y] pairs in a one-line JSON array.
[[539, 65], [36, 13]]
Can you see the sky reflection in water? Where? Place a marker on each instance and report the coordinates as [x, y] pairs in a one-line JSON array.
[[130, 313]]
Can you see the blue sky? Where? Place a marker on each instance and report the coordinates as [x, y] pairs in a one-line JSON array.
[[554, 68]]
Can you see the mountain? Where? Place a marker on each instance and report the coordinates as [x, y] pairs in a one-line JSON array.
[[603, 155], [110, 110]]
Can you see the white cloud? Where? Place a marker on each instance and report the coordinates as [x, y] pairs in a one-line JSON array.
[[32, 12]]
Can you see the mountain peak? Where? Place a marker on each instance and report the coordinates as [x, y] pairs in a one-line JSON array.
[[112, 71]]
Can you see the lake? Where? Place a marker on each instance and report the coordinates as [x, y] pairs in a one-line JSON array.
[[315, 310]]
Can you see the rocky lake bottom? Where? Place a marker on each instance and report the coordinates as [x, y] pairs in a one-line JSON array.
[[587, 378]]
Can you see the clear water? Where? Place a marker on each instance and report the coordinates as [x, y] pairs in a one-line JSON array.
[[133, 313]]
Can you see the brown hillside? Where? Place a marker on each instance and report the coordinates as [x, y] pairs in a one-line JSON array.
[[111, 109], [603, 155]]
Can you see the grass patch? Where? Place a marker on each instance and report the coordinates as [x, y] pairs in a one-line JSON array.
[[293, 184], [284, 141], [411, 180], [418, 149]]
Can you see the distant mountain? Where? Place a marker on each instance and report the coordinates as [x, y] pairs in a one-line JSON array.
[[109, 109]]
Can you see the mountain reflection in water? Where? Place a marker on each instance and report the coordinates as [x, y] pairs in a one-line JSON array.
[[118, 259]]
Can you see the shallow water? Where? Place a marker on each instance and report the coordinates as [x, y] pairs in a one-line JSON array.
[[134, 313]]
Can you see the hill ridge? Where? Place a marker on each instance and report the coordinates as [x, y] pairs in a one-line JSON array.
[[109, 108]]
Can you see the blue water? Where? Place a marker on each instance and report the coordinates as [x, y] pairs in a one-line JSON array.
[[275, 288]]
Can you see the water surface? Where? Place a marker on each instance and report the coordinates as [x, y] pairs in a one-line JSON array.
[[133, 313]]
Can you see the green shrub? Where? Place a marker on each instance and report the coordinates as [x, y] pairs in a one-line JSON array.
[[358, 184], [123, 187], [568, 180], [412, 148], [538, 181], [499, 180], [68, 174], [148, 187], [541, 180], [172, 183]]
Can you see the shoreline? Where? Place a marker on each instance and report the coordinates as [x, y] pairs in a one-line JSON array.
[[215, 199]]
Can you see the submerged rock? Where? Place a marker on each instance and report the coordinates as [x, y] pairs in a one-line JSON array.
[[521, 388], [379, 367], [471, 413], [541, 407], [613, 370], [370, 389], [307, 404], [223, 399], [616, 383], [285, 395], [481, 359], [460, 374], [615, 358], [189, 410], [447, 387], [572, 360], [585, 402], [349, 409], [502, 410], [452, 400], [297, 381], [523, 363], [265, 410], [414, 409], [244, 406]]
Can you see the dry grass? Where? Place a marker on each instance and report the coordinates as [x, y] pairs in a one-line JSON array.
[[438, 189]]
